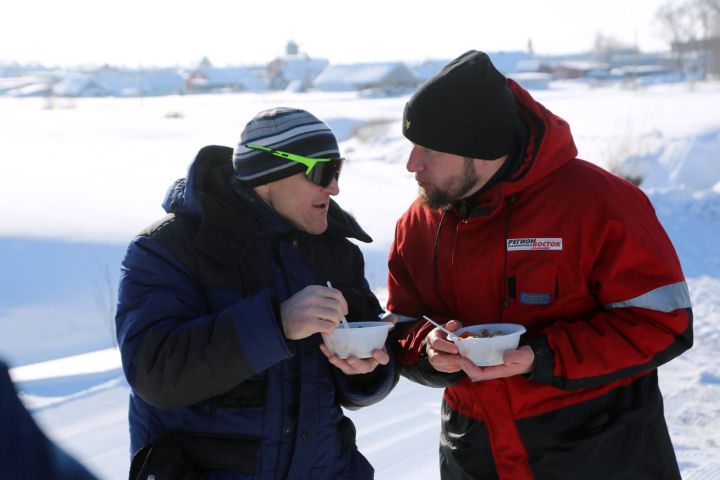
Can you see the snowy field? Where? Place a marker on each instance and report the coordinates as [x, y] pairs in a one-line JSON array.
[[80, 177]]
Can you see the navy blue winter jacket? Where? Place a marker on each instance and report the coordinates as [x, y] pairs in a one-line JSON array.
[[203, 347]]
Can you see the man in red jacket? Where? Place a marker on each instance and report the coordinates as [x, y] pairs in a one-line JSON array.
[[511, 227]]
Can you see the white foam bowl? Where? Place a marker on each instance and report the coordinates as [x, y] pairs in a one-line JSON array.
[[488, 351], [359, 340]]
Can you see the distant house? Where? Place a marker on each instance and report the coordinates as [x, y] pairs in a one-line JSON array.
[[532, 80], [505, 62], [26, 81], [34, 90], [510, 62], [616, 66], [631, 71], [425, 70], [294, 71], [529, 65], [571, 69], [116, 82], [11, 70], [646, 74], [387, 77], [207, 79], [26, 86], [701, 56], [139, 82], [161, 81], [79, 85]]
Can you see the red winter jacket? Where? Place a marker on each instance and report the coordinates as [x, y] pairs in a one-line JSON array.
[[577, 256]]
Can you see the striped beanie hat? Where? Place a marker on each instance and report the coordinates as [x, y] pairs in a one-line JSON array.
[[287, 129]]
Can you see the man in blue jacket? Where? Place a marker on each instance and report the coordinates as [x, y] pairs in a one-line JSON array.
[[220, 308]]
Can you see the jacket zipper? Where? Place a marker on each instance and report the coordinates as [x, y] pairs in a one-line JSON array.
[[506, 297], [436, 279]]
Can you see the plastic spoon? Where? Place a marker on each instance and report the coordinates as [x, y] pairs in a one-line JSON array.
[[451, 336], [342, 317]]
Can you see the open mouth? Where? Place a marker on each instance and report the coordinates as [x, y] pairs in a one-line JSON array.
[[321, 206]]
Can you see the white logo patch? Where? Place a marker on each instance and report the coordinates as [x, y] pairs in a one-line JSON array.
[[514, 244]]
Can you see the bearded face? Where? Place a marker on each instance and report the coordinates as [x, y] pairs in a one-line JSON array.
[[452, 189]]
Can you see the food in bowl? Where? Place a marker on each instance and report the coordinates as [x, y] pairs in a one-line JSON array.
[[485, 344], [359, 340], [483, 333]]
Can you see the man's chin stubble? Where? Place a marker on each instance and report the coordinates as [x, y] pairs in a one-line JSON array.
[[434, 202]]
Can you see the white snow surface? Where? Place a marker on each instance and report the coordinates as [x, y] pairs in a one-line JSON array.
[[81, 178]]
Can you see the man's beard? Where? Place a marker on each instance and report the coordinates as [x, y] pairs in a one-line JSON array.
[[454, 188]]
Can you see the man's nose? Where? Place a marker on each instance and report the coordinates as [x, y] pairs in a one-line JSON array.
[[333, 187], [415, 162]]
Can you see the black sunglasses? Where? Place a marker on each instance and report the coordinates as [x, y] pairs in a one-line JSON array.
[[320, 171]]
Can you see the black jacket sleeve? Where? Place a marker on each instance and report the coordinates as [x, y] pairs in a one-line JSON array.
[[177, 352]]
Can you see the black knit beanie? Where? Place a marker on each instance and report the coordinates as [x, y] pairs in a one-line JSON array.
[[466, 109]]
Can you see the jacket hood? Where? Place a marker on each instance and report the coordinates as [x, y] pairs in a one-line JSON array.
[[209, 180], [551, 143]]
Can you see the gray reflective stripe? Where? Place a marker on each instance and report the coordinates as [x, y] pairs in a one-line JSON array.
[[662, 299], [267, 172], [401, 318]]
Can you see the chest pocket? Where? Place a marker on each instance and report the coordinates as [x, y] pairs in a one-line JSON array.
[[535, 282]]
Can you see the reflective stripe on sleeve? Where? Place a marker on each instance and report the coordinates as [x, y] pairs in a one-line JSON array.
[[663, 299]]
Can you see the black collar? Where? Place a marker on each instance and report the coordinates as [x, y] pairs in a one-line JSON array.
[[469, 207]]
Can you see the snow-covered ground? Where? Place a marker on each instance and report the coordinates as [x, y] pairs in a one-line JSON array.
[[79, 179]]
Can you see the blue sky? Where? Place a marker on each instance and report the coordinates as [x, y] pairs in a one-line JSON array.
[[180, 32]]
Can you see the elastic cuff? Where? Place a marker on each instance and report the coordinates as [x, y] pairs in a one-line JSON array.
[[261, 337], [544, 364], [367, 380]]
